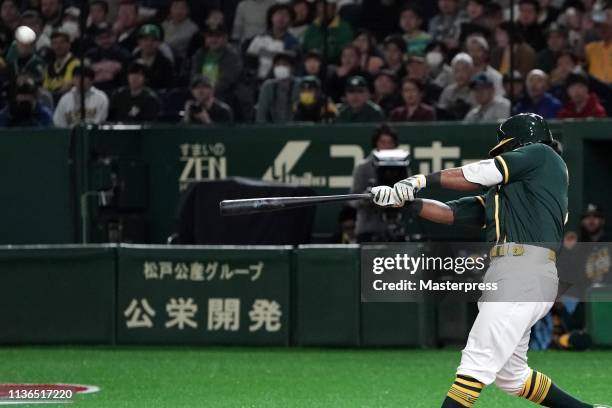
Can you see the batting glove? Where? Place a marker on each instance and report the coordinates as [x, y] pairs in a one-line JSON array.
[[384, 196], [406, 189]]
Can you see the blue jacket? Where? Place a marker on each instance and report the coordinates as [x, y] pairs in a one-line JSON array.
[[547, 106], [41, 117]]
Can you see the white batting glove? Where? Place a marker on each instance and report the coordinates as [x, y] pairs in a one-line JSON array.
[[406, 189], [384, 196]]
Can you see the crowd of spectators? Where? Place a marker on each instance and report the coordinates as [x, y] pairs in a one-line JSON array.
[[277, 61]]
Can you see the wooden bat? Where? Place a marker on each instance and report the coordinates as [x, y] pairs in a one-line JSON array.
[[259, 205]]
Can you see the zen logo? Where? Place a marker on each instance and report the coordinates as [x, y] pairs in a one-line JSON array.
[[202, 162]]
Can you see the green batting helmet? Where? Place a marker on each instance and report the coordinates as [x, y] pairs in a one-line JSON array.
[[520, 130]]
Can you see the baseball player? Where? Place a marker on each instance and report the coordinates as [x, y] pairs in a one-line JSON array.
[[525, 203]]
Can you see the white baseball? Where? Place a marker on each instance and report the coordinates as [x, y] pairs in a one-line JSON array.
[[25, 35]]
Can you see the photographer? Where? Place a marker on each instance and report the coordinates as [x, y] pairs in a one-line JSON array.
[[204, 108], [371, 225], [24, 109]]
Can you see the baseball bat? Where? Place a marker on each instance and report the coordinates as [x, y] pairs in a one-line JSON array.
[[259, 205]]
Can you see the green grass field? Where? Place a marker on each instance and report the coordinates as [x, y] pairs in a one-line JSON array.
[[280, 377]]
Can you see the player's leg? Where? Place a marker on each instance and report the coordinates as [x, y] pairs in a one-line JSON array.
[[516, 378], [497, 331]]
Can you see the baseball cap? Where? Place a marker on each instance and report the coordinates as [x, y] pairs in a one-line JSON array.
[[516, 76], [576, 78], [481, 80], [85, 70], [593, 209], [389, 74], [26, 85], [150, 30], [356, 83], [416, 59], [310, 82], [137, 67], [215, 30], [200, 80], [103, 28]]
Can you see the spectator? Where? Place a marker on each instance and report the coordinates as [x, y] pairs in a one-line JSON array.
[[312, 105], [24, 61], [58, 75], [413, 110], [440, 73], [386, 94], [370, 225], [250, 19], [302, 18], [107, 59], [313, 65], [446, 26], [514, 85], [32, 19], [278, 94], [579, 27], [161, 70], [393, 51], [528, 25], [478, 48], [537, 99], [71, 24], [523, 55], [98, 14], [548, 12], [366, 44], [418, 70], [493, 16], [126, 24], [51, 12], [358, 108], [68, 112], [9, 18], [599, 53], [135, 103], [556, 41], [411, 20], [567, 63], [489, 107], [457, 99], [350, 66], [276, 39], [339, 33], [592, 225], [204, 108], [582, 103], [179, 29], [476, 20], [217, 61], [24, 109], [374, 66]]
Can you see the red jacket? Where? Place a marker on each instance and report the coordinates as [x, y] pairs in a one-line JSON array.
[[423, 113], [592, 109]]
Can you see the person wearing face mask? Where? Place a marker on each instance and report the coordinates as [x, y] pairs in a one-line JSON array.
[[440, 73], [23, 109], [313, 106], [278, 94]]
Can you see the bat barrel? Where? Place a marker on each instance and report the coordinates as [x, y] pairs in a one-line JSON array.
[[259, 205]]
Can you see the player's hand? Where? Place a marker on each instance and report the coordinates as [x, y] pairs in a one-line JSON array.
[[384, 196], [406, 189]]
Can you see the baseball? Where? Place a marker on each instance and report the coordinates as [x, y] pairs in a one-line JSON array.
[[25, 35]]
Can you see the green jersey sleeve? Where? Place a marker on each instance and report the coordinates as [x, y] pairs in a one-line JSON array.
[[468, 211], [520, 164]]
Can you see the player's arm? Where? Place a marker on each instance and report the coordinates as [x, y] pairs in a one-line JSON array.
[[466, 211]]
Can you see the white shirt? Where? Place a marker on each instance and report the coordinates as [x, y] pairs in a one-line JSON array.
[[68, 111]]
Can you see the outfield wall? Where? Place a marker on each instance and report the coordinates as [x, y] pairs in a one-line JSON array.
[[46, 172], [216, 295]]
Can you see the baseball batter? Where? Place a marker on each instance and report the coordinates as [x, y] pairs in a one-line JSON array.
[[526, 203]]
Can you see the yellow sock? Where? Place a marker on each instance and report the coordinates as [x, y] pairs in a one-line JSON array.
[[465, 390], [536, 387]]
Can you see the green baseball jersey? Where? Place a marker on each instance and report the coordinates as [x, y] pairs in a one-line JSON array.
[[529, 205], [371, 112]]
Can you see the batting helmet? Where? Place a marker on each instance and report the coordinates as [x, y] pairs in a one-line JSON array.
[[520, 130]]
